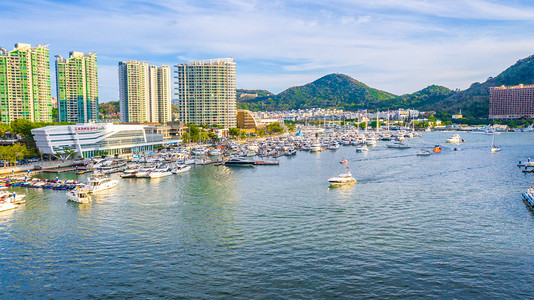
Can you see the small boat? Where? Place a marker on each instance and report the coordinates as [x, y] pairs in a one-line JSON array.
[[162, 171], [455, 139], [216, 152], [344, 161], [362, 148], [528, 197], [437, 149], [181, 169], [423, 152], [79, 195], [239, 162], [10, 200], [494, 148], [398, 145], [316, 147], [291, 152], [333, 146], [342, 179], [100, 183]]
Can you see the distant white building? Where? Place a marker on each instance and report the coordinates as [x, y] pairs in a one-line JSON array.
[[93, 139]]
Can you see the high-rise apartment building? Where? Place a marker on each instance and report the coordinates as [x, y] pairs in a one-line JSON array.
[[25, 84], [77, 87], [145, 92], [512, 102], [206, 92]]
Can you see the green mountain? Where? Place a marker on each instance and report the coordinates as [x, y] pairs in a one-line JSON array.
[[245, 95], [424, 99], [342, 91], [330, 91]]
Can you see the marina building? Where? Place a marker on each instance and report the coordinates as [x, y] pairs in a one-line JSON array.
[[206, 92], [145, 92], [251, 121], [513, 102], [93, 139], [25, 84], [77, 87]]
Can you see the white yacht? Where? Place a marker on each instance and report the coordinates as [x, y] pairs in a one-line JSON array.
[[162, 171], [398, 145], [342, 179], [455, 139], [100, 183], [181, 169], [10, 200], [316, 147], [79, 195], [216, 152], [362, 148], [423, 152]]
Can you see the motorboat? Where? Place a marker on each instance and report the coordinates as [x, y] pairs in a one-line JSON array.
[[181, 169], [423, 152], [100, 183], [79, 195], [239, 162], [494, 148], [333, 146], [362, 148], [437, 149], [316, 147], [398, 145], [528, 197], [216, 152], [129, 173], [342, 179], [10, 200], [161, 171], [455, 139], [343, 161]]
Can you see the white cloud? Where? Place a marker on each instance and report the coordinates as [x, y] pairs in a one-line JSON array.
[[398, 46]]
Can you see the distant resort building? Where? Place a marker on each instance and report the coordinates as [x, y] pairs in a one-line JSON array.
[[94, 139], [206, 92], [512, 102]]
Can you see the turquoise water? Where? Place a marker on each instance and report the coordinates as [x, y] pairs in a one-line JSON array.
[[450, 225]]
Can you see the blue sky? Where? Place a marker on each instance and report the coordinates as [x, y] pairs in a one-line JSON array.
[[396, 46]]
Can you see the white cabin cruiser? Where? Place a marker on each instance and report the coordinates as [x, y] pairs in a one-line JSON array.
[[100, 183], [79, 195], [455, 139], [342, 179], [10, 200]]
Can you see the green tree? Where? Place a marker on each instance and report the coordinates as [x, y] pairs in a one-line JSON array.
[[274, 128], [233, 131]]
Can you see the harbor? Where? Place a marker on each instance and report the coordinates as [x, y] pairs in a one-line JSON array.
[[221, 230]]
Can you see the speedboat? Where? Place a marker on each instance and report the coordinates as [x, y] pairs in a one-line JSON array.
[[79, 195], [437, 149], [181, 169], [239, 162], [162, 171], [495, 148], [398, 145], [342, 179], [10, 200], [455, 139], [316, 147], [333, 146], [362, 148], [423, 152], [216, 152], [99, 183], [528, 197], [344, 161]]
